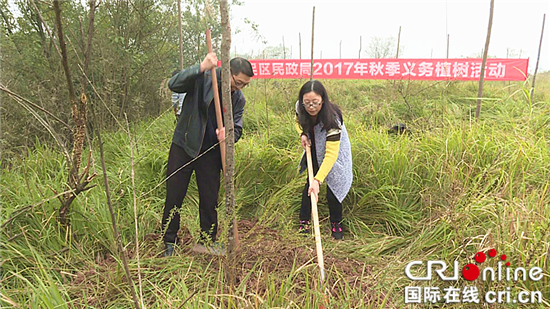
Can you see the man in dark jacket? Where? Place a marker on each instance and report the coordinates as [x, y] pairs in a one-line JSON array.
[[195, 135]]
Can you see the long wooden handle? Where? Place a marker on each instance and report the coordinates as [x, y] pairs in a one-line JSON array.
[[315, 216], [216, 98]]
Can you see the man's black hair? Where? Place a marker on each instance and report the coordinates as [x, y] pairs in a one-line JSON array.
[[176, 71], [241, 65]]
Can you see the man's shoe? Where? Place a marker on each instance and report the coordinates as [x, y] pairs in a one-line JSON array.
[[168, 249], [304, 227], [337, 231], [214, 248]]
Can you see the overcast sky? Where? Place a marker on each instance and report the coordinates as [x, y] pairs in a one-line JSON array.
[[424, 27]]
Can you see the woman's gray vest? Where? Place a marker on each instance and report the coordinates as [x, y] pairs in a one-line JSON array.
[[340, 177]]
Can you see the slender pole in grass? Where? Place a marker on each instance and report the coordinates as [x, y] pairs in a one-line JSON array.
[[538, 59], [121, 249], [312, 37], [266, 107], [445, 89], [133, 177], [484, 61]]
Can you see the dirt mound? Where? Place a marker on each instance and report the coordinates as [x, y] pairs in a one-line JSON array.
[[264, 251], [263, 255], [261, 244]]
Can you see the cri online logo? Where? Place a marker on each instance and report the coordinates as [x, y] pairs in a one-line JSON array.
[[471, 271]]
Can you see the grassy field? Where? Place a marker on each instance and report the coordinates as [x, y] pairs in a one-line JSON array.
[[449, 189]]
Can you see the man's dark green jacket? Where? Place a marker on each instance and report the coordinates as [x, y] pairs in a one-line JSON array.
[[189, 133]]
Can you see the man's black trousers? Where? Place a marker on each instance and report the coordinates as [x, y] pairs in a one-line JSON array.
[[207, 172]]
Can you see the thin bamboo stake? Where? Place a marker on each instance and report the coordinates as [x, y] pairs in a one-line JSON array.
[[284, 49], [266, 106], [538, 59], [397, 52], [398, 41], [485, 51], [312, 37], [180, 32], [448, 39], [300, 43], [360, 45]]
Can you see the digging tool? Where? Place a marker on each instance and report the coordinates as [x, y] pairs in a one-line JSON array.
[[315, 216], [217, 105], [316, 231], [216, 98]]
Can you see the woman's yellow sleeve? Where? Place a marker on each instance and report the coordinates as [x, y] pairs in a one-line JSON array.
[[298, 127], [331, 154]]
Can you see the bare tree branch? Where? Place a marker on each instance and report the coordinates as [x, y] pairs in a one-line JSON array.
[[44, 123], [47, 29], [13, 94], [64, 55]]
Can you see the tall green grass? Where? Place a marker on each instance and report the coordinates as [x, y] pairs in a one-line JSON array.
[[451, 188]]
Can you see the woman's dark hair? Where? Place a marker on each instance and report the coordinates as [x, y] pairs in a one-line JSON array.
[[328, 113]]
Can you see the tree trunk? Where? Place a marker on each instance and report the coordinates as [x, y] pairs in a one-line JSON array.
[[229, 140], [75, 182]]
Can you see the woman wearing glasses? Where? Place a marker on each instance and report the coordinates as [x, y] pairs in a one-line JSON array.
[[321, 126]]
